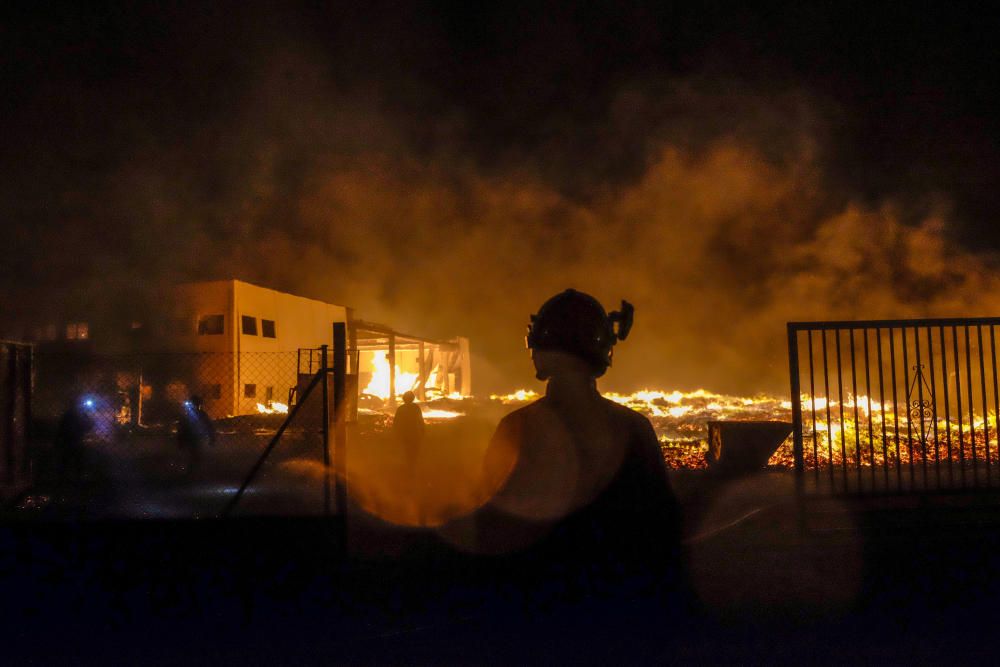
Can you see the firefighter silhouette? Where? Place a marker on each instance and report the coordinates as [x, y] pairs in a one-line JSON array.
[[579, 484], [194, 431], [408, 430], [74, 425]]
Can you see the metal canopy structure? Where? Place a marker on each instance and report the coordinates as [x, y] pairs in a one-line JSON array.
[[450, 357]]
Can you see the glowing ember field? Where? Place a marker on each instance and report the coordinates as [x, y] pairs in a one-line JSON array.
[[857, 432], [681, 418]]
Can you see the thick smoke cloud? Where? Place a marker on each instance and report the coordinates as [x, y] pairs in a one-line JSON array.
[[717, 251], [706, 203]]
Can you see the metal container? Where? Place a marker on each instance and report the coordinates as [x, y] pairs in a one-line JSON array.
[[743, 447]]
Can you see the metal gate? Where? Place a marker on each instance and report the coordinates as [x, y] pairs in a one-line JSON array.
[[895, 406]]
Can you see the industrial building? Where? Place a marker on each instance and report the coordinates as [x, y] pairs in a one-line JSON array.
[[245, 349], [258, 327], [244, 338]]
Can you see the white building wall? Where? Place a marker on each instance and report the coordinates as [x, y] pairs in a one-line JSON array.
[[266, 363], [225, 364]]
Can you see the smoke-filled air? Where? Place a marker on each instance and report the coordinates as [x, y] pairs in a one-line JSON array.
[[711, 207]]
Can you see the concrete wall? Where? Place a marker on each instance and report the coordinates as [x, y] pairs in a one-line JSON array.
[[270, 363], [464, 380], [212, 363], [299, 322], [188, 303]]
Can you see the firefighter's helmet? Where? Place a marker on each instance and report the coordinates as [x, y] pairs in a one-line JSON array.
[[576, 322]]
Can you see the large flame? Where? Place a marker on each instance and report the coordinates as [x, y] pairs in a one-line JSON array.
[[437, 413], [272, 408], [379, 384]]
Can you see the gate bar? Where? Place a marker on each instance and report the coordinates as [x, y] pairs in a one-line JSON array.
[[812, 397], [829, 420], [909, 420], [937, 441], [972, 417], [881, 400], [986, 413], [895, 408], [854, 398], [958, 398], [840, 400], [996, 389], [947, 407], [793, 369], [918, 377], [868, 395]]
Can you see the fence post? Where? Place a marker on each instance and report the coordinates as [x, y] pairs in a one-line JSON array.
[[793, 372], [326, 430], [10, 414], [392, 370], [28, 391], [340, 426]]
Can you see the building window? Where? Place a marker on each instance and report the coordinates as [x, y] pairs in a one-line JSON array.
[[211, 325], [250, 391], [77, 331], [249, 325], [267, 329], [212, 391]]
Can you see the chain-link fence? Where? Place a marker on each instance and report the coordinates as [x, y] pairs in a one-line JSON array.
[[174, 434]]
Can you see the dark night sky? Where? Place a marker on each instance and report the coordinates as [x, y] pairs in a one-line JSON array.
[[338, 150]]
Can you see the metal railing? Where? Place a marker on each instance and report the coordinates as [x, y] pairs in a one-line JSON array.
[[895, 406]]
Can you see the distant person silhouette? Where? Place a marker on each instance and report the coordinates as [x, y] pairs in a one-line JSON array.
[[194, 430], [582, 493], [408, 430], [74, 425]]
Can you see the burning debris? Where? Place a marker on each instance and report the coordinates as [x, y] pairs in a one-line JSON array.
[[681, 423], [381, 377], [681, 418], [272, 408], [390, 363]]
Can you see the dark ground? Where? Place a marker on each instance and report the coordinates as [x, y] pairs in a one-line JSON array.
[[896, 584]]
